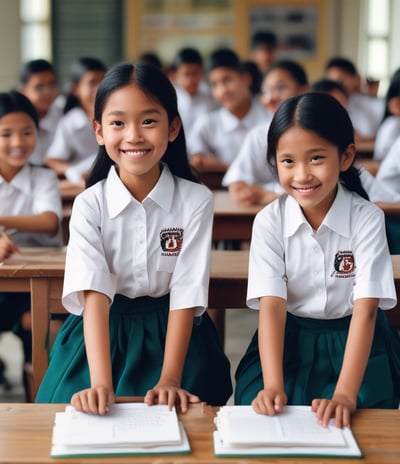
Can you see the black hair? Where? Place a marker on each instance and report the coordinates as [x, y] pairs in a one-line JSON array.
[[342, 63], [263, 39], [392, 91], [78, 69], [325, 116], [295, 69], [328, 85], [224, 58], [32, 67], [187, 55], [151, 58], [156, 85], [256, 76], [16, 102]]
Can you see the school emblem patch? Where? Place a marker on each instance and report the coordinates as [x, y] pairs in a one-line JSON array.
[[344, 264], [171, 241]]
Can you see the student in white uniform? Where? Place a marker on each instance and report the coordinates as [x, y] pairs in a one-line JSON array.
[[30, 203], [249, 178], [319, 269], [38, 82], [389, 129], [365, 112], [194, 97], [74, 146], [138, 262], [217, 136]]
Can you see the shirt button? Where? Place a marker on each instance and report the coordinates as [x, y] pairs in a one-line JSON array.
[[316, 249]]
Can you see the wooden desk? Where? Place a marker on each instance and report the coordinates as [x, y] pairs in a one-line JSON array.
[[69, 191], [211, 177], [25, 437], [232, 221]]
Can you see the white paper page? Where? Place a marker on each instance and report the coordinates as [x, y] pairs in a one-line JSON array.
[[135, 424], [297, 425]]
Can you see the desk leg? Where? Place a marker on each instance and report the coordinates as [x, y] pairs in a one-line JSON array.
[[40, 328]]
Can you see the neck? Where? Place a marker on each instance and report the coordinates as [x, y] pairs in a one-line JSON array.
[[241, 111]]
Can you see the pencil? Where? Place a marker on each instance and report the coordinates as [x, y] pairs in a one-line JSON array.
[[8, 239]]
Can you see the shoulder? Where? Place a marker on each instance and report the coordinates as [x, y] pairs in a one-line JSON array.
[[363, 211], [42, 174], [191, 192], [75, 118]]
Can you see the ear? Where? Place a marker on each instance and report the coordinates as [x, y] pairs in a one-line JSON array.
[[347, 158], [98, 132], [247, 78], [174, 129]]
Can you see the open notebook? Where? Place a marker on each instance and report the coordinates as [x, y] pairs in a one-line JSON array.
[[294, 432], [127, 429]]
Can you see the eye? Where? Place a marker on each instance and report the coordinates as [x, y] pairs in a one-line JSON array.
[[116, 123], [148, 122], [316, 159], [286, 161]]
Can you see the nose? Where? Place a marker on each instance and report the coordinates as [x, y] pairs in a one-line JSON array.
[[302, 174], [135, 135], [270, 100]]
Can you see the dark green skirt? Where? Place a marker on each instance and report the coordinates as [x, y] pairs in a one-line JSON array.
[[137, 338], [313, 355]]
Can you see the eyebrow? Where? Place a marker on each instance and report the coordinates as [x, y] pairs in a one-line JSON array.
[[144, 113], [309, 152]]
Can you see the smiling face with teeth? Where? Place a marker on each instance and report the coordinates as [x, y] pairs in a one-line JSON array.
[[308, 169], [17, 142], [135, 132]]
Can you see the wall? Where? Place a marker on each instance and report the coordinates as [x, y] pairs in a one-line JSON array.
[[10, 43]]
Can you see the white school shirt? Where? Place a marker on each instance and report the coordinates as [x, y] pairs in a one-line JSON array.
[[34, 190], [121, 246], [387, 134], [45, 135], [321, 273], [366, 113], [221, 134], [387, 179], [74, 141], [250, 165], [192, 107]]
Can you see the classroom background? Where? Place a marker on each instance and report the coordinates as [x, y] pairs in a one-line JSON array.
[[310, 31]]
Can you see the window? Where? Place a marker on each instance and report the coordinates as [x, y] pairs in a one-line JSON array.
[[35, 29]]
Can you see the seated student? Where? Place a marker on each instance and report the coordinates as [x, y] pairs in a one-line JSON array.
[[249, 178], [74, 146], [30, 204], [38, 82], [389, 129], [263, 47], [194, 99], [334, 88], [217, 136], [365, 111], [151, 58]]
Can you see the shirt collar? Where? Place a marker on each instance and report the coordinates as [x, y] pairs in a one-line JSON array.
[[340, 208], [118, 196], [230, 122], [22, 181]]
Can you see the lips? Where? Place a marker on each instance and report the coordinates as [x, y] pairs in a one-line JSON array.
[[135, 154], [306, 190]]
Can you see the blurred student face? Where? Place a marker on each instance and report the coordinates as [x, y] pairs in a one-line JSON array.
[[394, 106], [188, 76], [351, 83], [278, 86], [42, 90], [86, 90], [230, 88], [264, 56]]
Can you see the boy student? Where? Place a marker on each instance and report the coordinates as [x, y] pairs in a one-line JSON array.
[[194, 97], [263, 46], [365, 112], [217, 136]]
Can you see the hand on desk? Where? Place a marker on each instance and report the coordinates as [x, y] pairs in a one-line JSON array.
[[93, 400], [7, 247], [169, 394], [251, 194]]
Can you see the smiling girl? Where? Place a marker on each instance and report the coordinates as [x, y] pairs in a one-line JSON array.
[[319, 269], [138, 262]]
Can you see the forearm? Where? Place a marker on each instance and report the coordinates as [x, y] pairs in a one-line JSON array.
[[179, 330], [46, 222], [358, 348], [97, 339], [271, 333], [57, 165]]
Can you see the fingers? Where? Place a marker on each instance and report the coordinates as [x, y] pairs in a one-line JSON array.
[[327, 409], [269, 404], [170, 396], [92, 400]]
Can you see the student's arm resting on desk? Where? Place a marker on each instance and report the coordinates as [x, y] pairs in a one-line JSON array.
[[248, 194], [97, 341], [357, 351], [202, 160], [167, 390], [271, 332], [46, 222]]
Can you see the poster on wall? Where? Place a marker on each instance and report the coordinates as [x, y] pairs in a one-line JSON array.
[[294, 27]]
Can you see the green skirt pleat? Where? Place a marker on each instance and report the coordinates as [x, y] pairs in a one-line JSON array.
[[313, 355], [137, 338]]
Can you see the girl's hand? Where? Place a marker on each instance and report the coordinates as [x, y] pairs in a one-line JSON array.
[[169, 394], [93, 400], [7, 248], [339, 407], [269, 401]]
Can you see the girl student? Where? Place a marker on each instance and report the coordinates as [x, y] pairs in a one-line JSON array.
[[137, 264], [74, 147], [30, 203], [319, 269], [249, 178]]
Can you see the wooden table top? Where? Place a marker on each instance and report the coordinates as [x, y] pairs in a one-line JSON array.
[[224, 205], [25, 437]]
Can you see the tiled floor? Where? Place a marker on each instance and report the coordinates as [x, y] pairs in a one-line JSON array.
[[240, 325]]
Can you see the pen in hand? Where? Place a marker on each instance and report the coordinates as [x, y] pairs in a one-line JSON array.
[[6, 237]]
